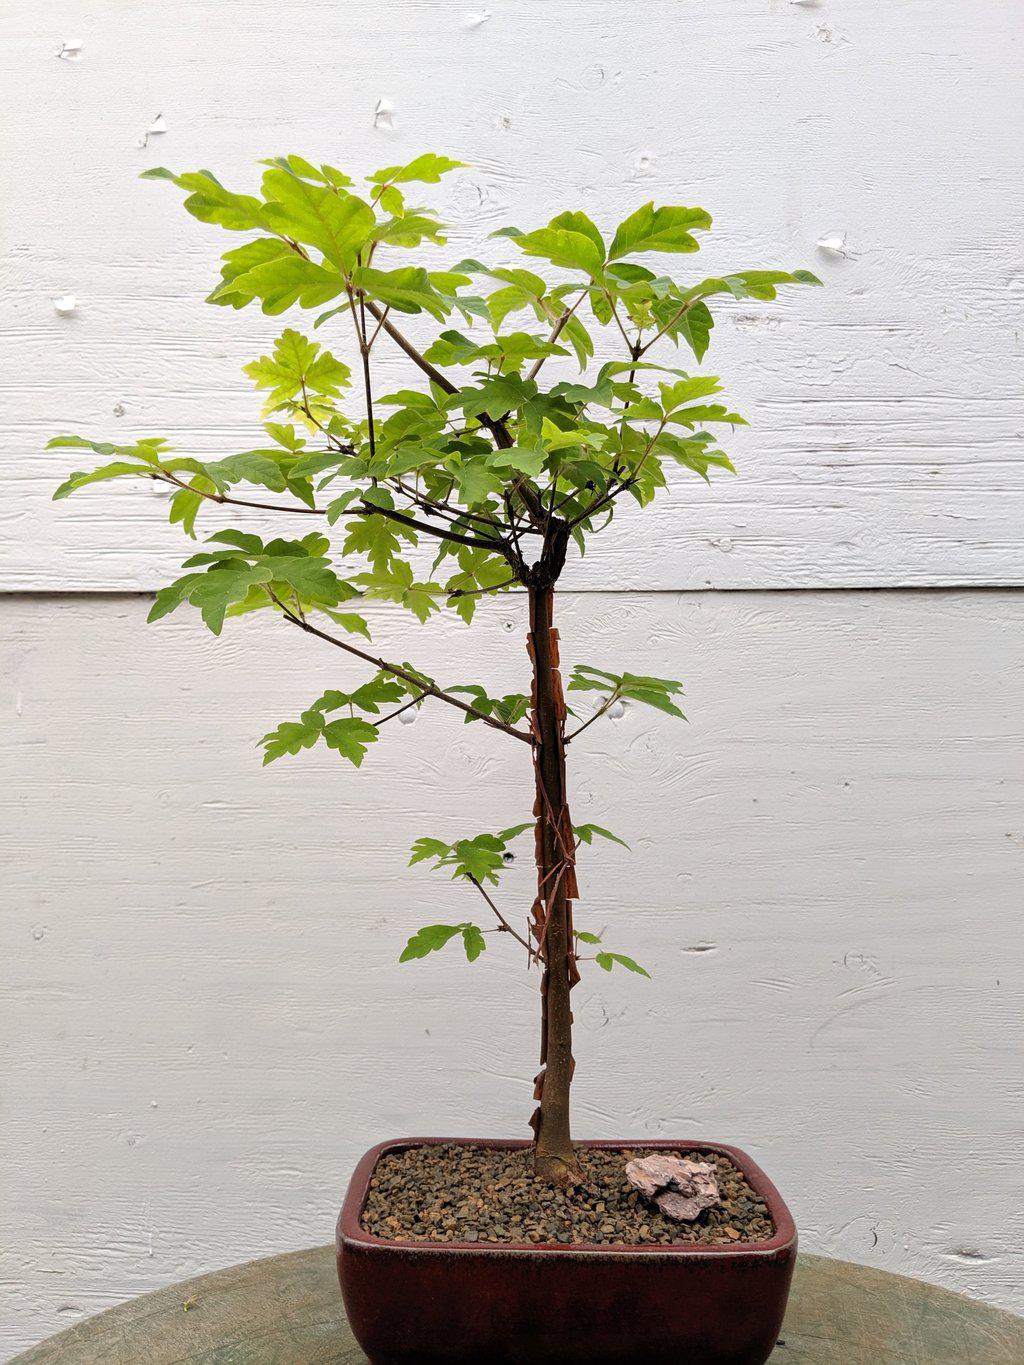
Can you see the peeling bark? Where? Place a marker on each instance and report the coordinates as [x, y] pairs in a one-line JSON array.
[[554, 1156]]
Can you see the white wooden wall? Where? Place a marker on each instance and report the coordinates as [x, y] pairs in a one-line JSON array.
[[204, 1019]]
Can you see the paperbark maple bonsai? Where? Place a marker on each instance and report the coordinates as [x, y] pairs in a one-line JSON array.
[[503, 474]]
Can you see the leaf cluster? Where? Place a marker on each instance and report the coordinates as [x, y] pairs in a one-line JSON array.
[[510, 444]]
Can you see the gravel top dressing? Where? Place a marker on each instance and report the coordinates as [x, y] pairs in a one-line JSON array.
[[452, 1193]]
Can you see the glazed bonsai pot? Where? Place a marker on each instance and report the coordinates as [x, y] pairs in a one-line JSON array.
[[463, 1303]]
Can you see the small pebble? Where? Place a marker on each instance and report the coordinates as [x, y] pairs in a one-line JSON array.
[[452, 1193]]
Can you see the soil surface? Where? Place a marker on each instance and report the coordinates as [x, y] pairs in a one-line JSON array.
[[452, 1193]]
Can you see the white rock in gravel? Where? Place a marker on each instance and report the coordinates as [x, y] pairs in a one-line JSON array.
[[681, 1188], [653, 1173]]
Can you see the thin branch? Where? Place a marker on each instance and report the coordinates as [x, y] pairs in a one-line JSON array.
[[475, 592], [392, 714], [618, 322], [668, 325], [608, 704], [516, 549], [612, 493], [478, 542], [556, 332], [436, 509], [376, 332], [506, 927], [609, 496], [167, 477], [365, 353], [366, 510], [359, 322], [429, 689], [502, 436], [410, 350]]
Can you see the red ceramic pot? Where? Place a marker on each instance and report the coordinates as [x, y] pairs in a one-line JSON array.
[[463, 1303]]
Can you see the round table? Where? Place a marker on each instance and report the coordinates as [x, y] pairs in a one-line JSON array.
[[287, 1310]]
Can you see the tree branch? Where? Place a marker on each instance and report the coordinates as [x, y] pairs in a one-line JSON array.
[[506, 927], [225, 498], [612, 493], [366, 510], [478, 542], [556, 332], [499, 431], [668, 325], [606, 706], [475, 592], [403, 342], [392, 714], [427, 689]]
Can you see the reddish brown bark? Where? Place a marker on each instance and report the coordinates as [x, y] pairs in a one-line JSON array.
[[554, 1157]]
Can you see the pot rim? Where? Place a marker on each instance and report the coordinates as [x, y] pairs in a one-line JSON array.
[[350, 1231]]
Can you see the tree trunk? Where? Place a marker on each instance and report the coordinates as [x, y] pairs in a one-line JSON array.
[[554, 1157]]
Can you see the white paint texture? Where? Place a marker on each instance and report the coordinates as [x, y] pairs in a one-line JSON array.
[[887, 407], [205, 1023]]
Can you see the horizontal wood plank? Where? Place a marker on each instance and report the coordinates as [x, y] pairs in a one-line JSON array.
[[887, 408]]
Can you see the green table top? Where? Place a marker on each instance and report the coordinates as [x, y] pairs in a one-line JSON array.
[[287, 1310]]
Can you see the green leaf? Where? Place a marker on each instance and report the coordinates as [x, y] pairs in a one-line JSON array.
[[408, 230], [311, 576], [607, 960], [510, 709], [245, 541], [507, 835], [473, 941], [81, 478], [210, 202], [429, 939], [279, 282], [427, 169], [508, 353], [665, 229], [587, 938], [297, 366], [479, 859], [185, 505], [656, 692], [334, 222], [397, 584], [323, 175], [586, 678], [381, 690], [375, 537], [580, 340], [585, 834], [407, 290], [349, 621], [695, 328], [683, 391], [291, 737], [570, 241], [477, 481], [693, 454], [428, 848], [220, 587], [713, 412], [340, 506], [603, 392], [349, 736]]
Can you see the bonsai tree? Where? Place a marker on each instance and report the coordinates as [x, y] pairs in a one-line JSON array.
[[501, 468]]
